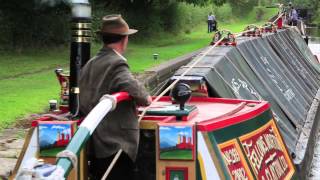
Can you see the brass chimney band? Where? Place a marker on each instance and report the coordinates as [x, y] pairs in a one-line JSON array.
[[81, 26], [81, 33], [75, 90], [81, 39]]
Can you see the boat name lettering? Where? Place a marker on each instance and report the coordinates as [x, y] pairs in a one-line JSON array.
[[239, 173], [266, 153], [234, 160], [276, 170], [231, 156]]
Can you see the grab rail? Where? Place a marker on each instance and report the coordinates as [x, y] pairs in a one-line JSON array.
[[107, 103]]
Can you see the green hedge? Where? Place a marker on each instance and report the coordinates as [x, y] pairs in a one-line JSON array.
[[28, 24], [32, 25]]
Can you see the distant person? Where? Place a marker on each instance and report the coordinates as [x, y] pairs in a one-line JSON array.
[[293, 16], [214, 23], [210, 22], [286, 10]]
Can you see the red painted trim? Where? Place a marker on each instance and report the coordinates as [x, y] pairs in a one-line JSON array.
[[64, 108], [218, 123], [121, 96], [79, 121], [46, 119], [231, 120], [57, 122], [184, 169], [35, 123]]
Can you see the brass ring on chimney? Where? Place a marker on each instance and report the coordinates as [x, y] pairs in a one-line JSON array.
[[81, 39], [81, 25], [81, 32], [75, 90]]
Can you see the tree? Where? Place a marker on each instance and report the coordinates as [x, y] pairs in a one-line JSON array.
[[242, 7], [219, 2], [28, 23], [150, 15], [239, 7]]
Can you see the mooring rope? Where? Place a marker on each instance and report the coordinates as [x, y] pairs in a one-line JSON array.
[[179, 78], [113, 162], [198, 59], [190, 67]]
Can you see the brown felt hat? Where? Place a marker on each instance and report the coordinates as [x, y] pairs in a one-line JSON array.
[[115, 24]]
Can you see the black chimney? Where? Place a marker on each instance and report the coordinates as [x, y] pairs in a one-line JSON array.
[[79, 49]]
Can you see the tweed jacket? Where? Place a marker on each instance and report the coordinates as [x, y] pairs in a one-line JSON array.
[[108, 73]]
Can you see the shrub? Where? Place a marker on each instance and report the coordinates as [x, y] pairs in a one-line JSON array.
[[260, 11], [28, 24], [223, 13]]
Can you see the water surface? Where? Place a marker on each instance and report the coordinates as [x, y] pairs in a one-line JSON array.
[[314, 41]]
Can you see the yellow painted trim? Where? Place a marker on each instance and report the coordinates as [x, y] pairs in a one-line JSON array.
[[284, 149], [286, 154], [148, 124], [202, 169], [213, 155], [242, 158]]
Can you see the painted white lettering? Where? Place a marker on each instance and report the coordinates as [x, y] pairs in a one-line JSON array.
[[231, 156], [239, 174]]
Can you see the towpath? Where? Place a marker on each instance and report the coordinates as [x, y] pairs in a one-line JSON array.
[[11, 142]]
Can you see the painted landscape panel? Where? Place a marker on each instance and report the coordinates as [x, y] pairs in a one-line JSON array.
[[54, 136], [176, 142]]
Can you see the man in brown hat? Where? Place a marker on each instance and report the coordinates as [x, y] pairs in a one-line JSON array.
[[107, 73]]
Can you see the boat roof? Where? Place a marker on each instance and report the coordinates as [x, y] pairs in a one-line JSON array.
[[210, 113]]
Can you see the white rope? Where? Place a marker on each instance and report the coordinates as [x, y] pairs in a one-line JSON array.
[[279, 16], [198, 59], [114, 160], [187, 70], [179, 78]]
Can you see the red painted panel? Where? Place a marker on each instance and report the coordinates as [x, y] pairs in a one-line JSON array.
[[267, 154], [216, 113]]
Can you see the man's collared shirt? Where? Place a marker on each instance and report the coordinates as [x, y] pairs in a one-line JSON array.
[[119, 54]]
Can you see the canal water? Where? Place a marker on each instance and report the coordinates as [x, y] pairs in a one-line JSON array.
[[314, 41], [314, 45]]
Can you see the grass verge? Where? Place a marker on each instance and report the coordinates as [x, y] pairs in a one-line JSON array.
[[27, 80]]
